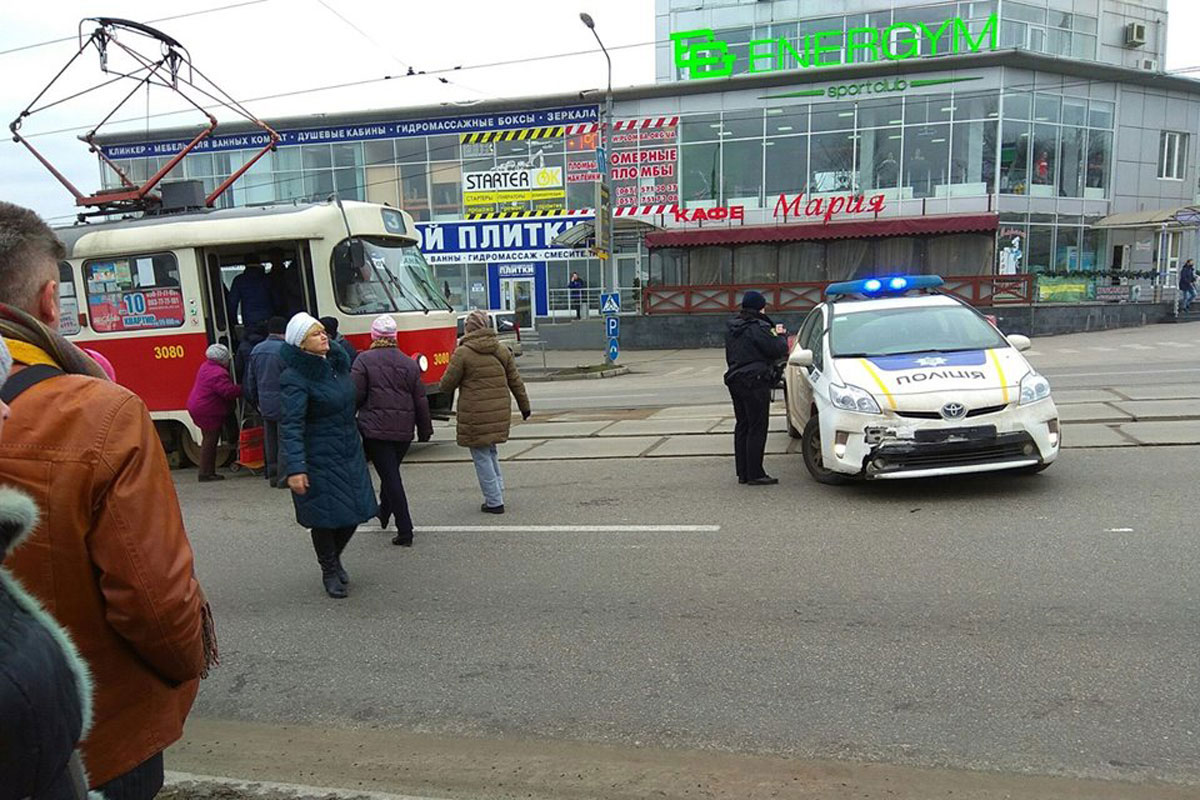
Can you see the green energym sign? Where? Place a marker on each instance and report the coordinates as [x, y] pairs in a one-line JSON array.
[[699, 54]]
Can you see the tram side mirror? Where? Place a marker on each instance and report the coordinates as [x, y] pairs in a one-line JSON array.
[[1021, 343], [358, 260], [801, 358]]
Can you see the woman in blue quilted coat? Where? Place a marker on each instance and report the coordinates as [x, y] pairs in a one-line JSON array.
[[327, 471]]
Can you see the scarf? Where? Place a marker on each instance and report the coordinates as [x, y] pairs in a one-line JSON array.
[[32, 342], [380, 343], [19, 327]]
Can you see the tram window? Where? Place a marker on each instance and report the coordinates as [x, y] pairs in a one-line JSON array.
[[134, 293], [391, 277], [68, 303]]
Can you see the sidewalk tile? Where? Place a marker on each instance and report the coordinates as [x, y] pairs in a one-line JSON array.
[[1081, 435], [676, 446], [1161, 409], [1092, 412], [596, 447], [1178, 391], [657, 427], [1072, 396], [726, 425], [688, 412], [556, 430], [1164, 432]]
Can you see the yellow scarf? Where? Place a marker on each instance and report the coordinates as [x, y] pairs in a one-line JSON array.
[[29, 354]]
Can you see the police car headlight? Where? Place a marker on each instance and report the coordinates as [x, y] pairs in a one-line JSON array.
[[1034, 388], [852, 398]]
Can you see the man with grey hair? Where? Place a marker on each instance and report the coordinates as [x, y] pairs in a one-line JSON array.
[[117, 570]]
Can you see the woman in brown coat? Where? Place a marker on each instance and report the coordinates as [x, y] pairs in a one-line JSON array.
[[484, 372]]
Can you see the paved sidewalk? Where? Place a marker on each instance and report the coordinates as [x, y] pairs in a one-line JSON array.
[[1129, 416]]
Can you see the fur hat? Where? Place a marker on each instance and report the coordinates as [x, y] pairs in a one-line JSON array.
[[476, 320], [384, 327], [218, 353], [299, 327]]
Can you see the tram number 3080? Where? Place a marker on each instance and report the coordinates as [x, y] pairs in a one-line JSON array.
[[169, 351]]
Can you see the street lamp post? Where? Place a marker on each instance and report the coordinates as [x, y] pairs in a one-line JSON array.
[[606, 128]]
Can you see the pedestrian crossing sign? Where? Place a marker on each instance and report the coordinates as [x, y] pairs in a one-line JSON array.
[[610, 303]]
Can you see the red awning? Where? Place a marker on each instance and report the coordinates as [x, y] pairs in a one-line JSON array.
[[892, 226]]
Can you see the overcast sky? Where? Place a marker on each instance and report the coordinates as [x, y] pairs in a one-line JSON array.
[[272, 47]]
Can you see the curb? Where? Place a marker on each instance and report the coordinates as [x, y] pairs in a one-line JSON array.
[[581, 376], [252, 788]]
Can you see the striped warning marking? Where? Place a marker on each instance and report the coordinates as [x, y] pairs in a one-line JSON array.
[[520, 135]]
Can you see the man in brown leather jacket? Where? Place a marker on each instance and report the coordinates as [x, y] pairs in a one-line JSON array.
[[110, 560]]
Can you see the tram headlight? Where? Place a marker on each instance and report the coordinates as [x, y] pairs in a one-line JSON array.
[[422, 362]]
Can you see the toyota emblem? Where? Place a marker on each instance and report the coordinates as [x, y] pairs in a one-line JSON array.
[[954, 411]]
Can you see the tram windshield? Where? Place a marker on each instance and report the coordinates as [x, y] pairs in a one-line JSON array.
[[387, 277]]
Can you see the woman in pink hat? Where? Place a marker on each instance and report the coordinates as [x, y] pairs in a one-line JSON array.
[[391, 404]]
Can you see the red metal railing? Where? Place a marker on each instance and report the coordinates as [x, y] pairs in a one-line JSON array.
[[978, 290]]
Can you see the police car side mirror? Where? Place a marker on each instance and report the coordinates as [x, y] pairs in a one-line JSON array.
[[801, 358], [1021, 343]]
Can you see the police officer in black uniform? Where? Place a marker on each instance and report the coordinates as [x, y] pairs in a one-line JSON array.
[[753, 348]]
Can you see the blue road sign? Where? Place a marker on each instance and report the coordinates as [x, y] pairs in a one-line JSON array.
[[614, 349], [612, 327], [602, 161], [610, 303]]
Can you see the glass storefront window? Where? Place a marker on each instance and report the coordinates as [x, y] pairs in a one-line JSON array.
[[700, 128], [881, 159], [1071, 167], [742, 124], [315, 156], [973, 156], [802, 261], [926, 158], [742, 165], [1047, 108], [1099, 148], [446, 189], [411, 150], [828, 117], [383, 152], [700, 168], [1066, 249], [1014, 158], [833, 162], [787, 121], [1044, 159], [1017, 105], [787, 165], [1100, 114], [931, 108], [1038, 249], [444, 148], [977, 106]]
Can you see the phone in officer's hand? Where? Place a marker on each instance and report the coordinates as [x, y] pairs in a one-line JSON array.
[[780, 329]]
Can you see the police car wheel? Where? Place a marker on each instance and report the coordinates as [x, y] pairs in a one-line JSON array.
[[810, 448]]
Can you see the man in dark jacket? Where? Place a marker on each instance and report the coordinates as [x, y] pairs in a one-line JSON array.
[[262, 390], [336, 339], [576, 285], [252, 292], [255, 335], [1187, 285], [753, 346]]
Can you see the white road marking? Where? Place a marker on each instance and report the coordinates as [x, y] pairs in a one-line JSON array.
[[567, 529], [1103, 349], [1121, 373], [1070, 350], [1138, 346], [1173, 344], [680, 371], [1033, 352], [1118, 530]]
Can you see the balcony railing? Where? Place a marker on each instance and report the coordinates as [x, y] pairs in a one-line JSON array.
[[978, 290]]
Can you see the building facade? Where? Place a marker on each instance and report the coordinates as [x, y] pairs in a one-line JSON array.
[[788, 141]]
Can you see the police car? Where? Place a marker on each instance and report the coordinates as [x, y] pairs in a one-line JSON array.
[[890, 379]]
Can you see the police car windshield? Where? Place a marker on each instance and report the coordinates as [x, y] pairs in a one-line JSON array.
[[893, 331]]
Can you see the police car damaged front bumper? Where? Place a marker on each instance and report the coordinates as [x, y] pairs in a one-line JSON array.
[[891, 446]]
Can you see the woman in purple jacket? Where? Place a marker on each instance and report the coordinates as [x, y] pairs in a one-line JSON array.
[[209, 403], [391, 403]]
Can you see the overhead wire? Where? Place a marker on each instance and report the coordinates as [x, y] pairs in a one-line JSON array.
[[149, 21]]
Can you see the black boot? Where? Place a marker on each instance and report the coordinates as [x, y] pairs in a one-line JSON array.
[[326, 550], [340, 539]]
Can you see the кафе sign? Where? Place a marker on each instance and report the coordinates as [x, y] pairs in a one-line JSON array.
[[699, 54]]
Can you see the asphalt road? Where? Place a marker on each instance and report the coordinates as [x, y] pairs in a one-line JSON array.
[[1042, 624]]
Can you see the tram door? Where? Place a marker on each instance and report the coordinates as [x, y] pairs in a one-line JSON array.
[[216, 320]]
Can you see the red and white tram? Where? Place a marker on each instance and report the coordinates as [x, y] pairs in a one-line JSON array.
[[149, 294]]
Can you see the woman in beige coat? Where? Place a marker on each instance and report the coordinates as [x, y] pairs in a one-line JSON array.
[[484, 372]]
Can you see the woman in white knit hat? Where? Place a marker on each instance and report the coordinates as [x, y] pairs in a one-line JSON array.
[[327, 471]]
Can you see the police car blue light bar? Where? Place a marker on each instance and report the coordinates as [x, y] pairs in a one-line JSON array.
[[882, 286]]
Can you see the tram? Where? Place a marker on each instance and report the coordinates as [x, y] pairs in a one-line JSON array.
[[150, 294]]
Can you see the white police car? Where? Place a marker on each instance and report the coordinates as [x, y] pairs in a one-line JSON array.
[[888, 379]]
